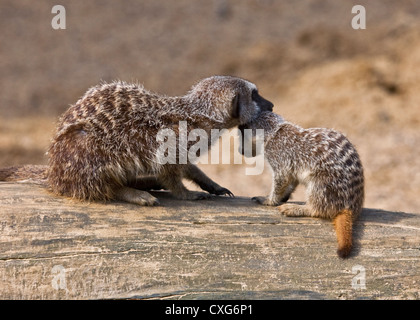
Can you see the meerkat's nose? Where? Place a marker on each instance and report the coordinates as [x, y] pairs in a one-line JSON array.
[[267, 106], [264, 104]]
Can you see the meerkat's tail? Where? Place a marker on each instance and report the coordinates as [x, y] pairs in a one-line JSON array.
[[343, 224], [34, 173], [6, 174]]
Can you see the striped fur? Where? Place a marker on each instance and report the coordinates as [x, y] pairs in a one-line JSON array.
[[325, 161], [108, 137]]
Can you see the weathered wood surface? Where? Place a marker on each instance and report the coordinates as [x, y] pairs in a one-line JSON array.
[[55, 248]]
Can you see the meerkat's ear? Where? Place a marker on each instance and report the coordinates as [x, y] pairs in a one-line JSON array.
[[236, 107]]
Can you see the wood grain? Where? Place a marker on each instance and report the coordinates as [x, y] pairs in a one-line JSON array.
[[57, 248]]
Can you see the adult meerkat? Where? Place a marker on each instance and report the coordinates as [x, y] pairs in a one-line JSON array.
[[105, 141], [323, 160]]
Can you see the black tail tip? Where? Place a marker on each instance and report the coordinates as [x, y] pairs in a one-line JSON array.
[[344, 253]]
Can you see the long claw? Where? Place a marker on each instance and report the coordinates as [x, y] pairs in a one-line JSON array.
[[225, 192]]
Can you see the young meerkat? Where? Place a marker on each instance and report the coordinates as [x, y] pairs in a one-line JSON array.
[[107, 139], [323, 160]]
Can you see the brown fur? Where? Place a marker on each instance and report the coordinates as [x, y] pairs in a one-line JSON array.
[[324, 161], [31, 173], [343, 224], [107, 140]]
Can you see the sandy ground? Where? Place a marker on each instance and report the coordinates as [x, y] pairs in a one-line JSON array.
[[304, 57]]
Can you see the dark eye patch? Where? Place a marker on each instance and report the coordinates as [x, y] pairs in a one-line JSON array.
[[255, 95], [264, 104]]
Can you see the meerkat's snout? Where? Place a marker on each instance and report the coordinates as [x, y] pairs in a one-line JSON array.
[[264, 104]]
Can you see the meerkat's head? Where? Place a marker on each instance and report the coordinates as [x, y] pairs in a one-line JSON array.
[[230, 100]]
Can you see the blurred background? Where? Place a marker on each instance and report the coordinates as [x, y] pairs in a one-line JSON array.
[[303, 55]]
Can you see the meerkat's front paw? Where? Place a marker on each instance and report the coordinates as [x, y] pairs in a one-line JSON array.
[[223, 192], [265, 201]]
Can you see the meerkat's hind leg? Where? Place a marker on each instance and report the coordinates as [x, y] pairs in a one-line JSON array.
[[135, 196], [295, 210]]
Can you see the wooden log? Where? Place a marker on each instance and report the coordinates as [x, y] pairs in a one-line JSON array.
[[56, 248]]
